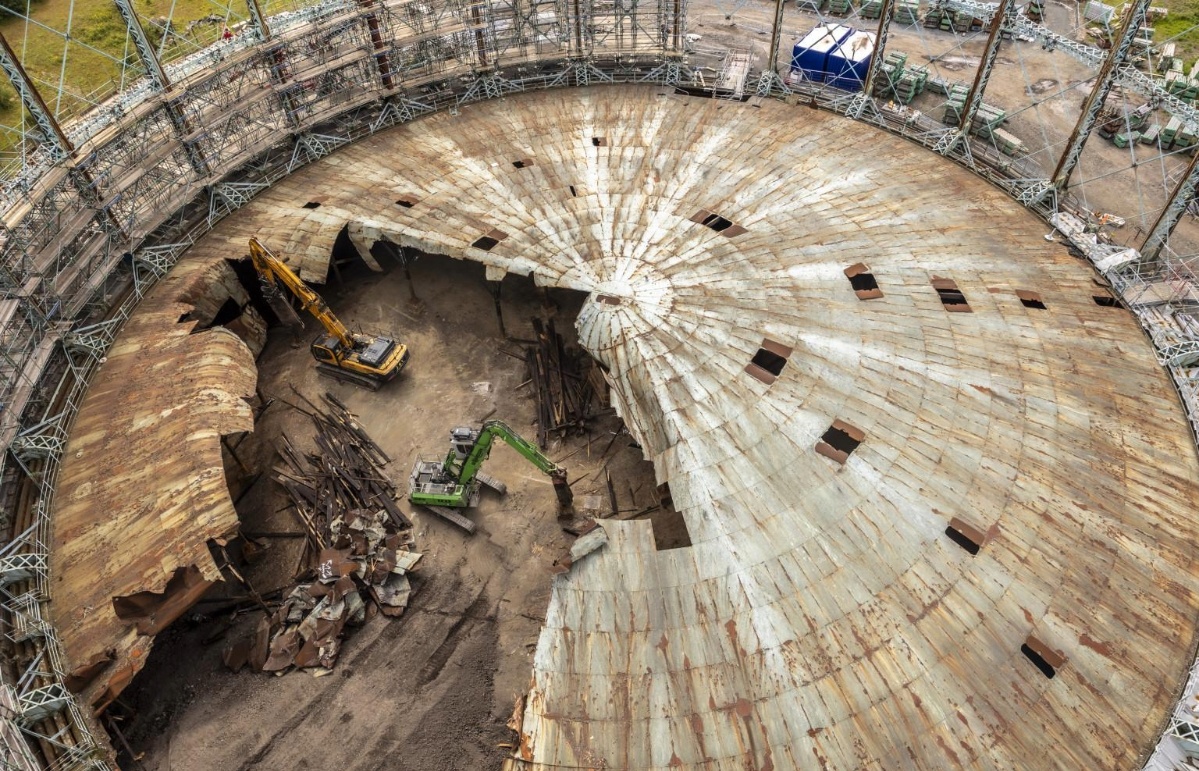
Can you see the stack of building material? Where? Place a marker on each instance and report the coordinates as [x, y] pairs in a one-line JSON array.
[[955, 103], [839, 7], [1170, 132], [1126, 138], [890, 73], [1165, 56], [1007, 142], [964, 22], [987, 120], [935, 85], [871, 9], [912, 83], [1187, 136], [1035, 11], [1151, 135], [814, 6], [907, 11], [938, 18]]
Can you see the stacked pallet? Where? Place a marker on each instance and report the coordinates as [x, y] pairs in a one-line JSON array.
[[1126, 138], [935, 85], [907, 11], [1170, 132], [938, 18], [871, 9], [1151, 135], [839, 7], [964, 22], [1035, 11], [1179, 134], [955, 104], [910, 84], [1007, 143], [1187, 136], [987, 120], [890, 73], [815, 6]]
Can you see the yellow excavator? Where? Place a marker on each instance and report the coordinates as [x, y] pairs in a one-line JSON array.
[[365, 360]]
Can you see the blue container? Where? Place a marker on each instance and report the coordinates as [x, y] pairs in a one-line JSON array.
[[810, 55], [847, 65]]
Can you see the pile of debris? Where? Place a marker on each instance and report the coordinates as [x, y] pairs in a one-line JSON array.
[[365, 572], [568, 387], [361, 541], [344, 476]]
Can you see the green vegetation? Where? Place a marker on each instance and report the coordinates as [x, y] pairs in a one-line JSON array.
[[1181, 27]]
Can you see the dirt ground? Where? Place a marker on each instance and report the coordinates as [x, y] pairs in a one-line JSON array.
[[433, 689]]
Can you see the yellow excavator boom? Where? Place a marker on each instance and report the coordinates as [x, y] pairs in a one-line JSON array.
[[275, 271]]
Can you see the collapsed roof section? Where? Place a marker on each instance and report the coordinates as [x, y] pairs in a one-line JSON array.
[[142, 487]]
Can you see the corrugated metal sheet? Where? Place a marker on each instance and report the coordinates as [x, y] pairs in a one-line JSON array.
[[142, 487], [821, 617]]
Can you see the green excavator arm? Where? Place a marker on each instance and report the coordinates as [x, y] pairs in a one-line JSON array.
[[492, 430]]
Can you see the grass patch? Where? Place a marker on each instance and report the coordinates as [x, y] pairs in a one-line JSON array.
[[1181, 27]]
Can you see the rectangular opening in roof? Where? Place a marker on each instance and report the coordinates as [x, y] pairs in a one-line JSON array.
[[771, 362], [969, 538], [720, 224], [1030, 299], [1047, 660], [598, 141], [407, 202], [312, 204], [1106, 300], [486, 243], [767, 364], [839, 442], [524, 163], [951, 297], [862, 281], [573, 193]]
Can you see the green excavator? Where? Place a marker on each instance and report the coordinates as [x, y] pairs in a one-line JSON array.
[[445, 485]]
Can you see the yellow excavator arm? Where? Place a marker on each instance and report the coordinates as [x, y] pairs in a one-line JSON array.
[[275, 272]]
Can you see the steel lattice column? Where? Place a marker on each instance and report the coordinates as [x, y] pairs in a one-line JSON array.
[[158, 77], [382, 56], [52, 133], [1184, 193], [1133, 21], [880, 47], [770, 78], [258, 21], [974, 98]]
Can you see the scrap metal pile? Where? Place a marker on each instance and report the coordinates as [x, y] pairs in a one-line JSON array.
[[361, 541], [568, 387]]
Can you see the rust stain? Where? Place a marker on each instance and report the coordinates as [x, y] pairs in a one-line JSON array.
[[1099, 647], [957, 763]]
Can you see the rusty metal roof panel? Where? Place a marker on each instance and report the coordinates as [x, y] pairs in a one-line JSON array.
[[142, 486], [821, 615]]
